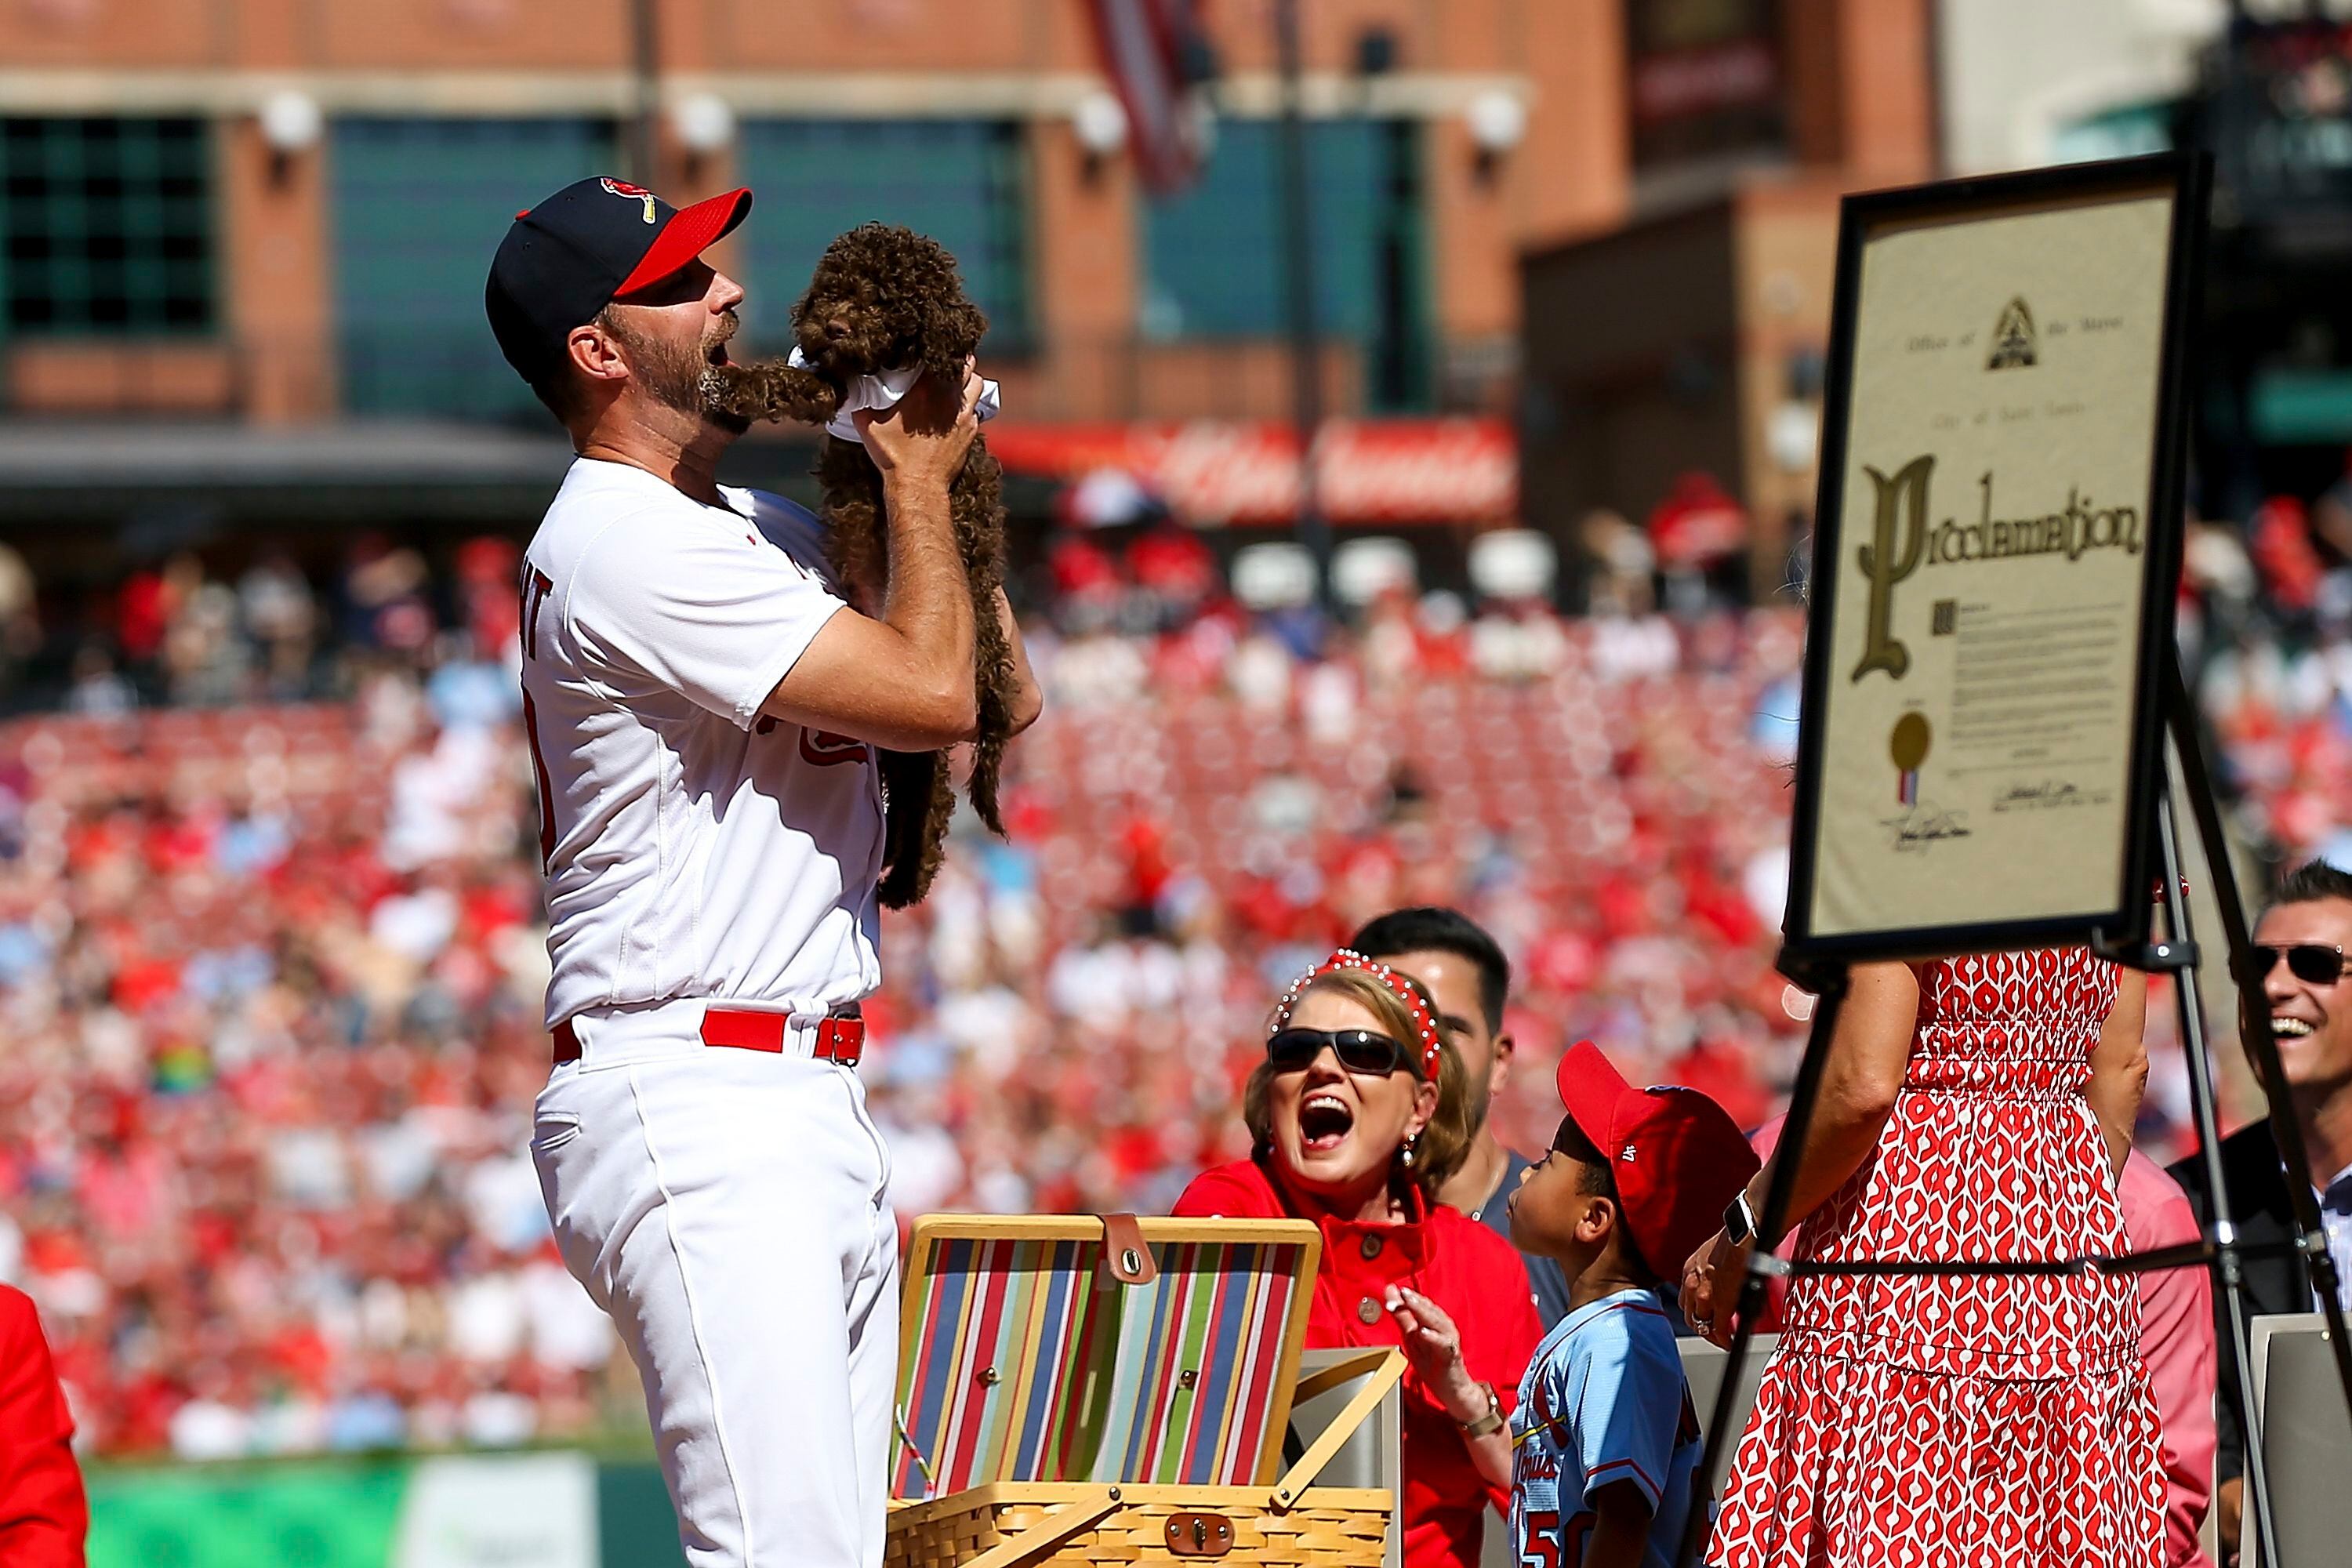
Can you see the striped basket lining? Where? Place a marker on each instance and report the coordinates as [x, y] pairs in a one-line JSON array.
[[1090, 1375]]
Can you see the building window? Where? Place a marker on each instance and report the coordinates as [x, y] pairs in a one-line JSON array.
[[108, 226], [2125, 132], [1706, 80], [419, 208], [1213, 257], [963, 182]]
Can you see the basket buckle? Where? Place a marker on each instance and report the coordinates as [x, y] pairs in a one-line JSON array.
[[1199, 1534]]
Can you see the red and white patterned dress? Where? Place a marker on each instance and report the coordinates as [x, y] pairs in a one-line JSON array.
[[1968, 1421]]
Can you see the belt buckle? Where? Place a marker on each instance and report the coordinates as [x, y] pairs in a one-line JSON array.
[[840, 1039]]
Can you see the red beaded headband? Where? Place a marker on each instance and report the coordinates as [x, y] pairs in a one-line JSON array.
[[1347, 957]]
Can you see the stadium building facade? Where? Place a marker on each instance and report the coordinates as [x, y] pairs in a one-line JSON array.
[[244, 240]]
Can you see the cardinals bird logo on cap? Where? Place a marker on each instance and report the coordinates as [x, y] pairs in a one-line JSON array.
[[635, 193]]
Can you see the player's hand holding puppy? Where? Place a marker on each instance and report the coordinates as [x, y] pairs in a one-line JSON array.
[[922, 436], [919, 644]]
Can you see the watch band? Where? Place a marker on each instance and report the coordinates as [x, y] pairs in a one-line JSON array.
[[1490, 1422], [1739, 1220]]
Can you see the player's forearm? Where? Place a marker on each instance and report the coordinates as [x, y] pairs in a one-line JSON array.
[[929, 600]]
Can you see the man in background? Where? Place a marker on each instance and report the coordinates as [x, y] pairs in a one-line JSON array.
[[2299, 943], [1465, 974]]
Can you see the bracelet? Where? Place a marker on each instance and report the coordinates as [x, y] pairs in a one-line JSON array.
[[1491, 1420]]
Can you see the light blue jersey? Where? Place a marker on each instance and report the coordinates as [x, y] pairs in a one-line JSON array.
[[1603, 1401]]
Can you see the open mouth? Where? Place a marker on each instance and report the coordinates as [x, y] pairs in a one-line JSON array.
[[728, 326], [1324, 1122], [2289, 1028]]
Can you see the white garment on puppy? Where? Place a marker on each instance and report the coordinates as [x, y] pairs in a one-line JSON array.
[[883, 392]]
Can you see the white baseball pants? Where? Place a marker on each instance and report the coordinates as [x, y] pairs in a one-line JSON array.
[[728, 1208]]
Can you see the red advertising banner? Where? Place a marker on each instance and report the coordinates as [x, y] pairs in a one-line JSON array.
[[1211, 472]]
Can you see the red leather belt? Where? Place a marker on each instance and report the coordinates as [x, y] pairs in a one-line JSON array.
[[839, 1038]]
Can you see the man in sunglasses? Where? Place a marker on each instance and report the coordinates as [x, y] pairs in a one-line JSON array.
[[2300, 942]]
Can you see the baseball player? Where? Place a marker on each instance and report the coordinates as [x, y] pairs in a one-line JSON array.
[[702, 708]]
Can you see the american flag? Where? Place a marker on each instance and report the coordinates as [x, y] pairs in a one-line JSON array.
[[1157, 58]]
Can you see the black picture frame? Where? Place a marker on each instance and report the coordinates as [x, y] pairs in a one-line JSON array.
[[2121, 917]]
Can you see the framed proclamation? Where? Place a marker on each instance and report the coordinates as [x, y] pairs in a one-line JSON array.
[[1996, 546]]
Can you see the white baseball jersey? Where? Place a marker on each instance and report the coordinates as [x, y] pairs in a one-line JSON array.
[[693, 846]]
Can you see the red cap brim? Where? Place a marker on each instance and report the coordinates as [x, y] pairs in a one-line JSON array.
[[694, 230], [1591, 1089]]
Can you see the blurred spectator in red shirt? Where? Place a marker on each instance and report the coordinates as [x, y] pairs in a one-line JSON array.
[[2282, 548], [44, 1516], [1168, 562]]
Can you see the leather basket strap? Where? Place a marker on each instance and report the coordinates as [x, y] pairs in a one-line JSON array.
[[1126, 1256]]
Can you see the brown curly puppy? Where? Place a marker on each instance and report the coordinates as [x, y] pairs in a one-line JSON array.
[[883, 298]]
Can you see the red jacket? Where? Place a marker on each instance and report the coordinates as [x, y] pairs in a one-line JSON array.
[[44, 1517], [1457, 1263]]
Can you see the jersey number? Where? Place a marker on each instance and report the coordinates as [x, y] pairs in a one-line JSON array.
[[535, 589], [1547, 1543]]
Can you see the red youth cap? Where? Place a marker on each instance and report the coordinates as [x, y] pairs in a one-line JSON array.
[[1676, 1156]]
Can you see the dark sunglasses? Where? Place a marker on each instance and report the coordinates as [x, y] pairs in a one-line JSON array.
[[2306, 961], [1366, 1051]]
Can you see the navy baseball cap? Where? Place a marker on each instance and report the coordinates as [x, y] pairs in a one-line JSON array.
[[591, 243]]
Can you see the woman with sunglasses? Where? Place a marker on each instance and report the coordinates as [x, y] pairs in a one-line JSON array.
[[1358, 1115]]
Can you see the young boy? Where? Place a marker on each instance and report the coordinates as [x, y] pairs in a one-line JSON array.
[[1604, 1444]]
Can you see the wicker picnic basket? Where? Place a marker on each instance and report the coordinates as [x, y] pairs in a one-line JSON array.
[[1081, 1390]]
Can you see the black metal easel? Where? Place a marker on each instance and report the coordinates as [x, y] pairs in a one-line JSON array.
[[2221, 1251]]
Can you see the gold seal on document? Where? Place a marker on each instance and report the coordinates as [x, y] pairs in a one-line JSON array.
[[1908, 744]]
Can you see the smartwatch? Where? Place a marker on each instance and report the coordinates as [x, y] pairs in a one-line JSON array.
[[1739, 1221], [1490, 1422]]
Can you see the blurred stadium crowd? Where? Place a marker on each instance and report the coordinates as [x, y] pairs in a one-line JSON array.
[[270, 964]]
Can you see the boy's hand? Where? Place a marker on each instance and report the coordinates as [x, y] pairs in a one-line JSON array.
[[1434, 1347]]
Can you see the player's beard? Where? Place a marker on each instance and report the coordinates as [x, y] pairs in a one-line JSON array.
[[679, 377]]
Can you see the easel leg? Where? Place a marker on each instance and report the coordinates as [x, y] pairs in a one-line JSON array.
[[2262, 1047], [2228, 1270], [1829, 984]]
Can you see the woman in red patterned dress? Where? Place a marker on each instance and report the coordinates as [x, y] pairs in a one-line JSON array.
[[1977, 1108]]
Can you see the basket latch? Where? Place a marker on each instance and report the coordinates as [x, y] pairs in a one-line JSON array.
[[1199, 1534], [1125, 1254]]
